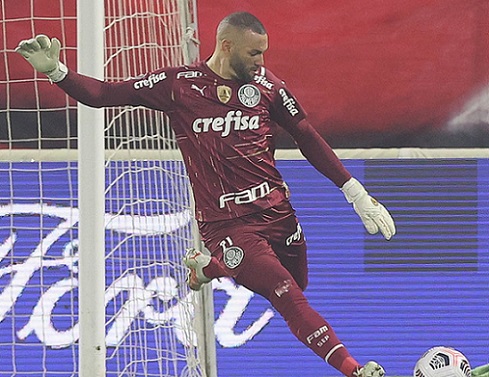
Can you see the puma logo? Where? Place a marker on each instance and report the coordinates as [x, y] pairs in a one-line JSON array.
[[200, 90]]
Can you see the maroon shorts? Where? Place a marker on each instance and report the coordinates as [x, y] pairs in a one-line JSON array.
[[261, 250]]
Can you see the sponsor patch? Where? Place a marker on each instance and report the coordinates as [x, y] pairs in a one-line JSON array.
[[294, 237], [189, 74], [150, 81], [245, 196], [262, 80], [232, 121], [233, 256], [288, 102], [283, 288], [249, 95]]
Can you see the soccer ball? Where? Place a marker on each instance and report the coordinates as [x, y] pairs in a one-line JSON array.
[[442, 362]]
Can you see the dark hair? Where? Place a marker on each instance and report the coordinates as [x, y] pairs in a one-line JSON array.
[[245, 21]]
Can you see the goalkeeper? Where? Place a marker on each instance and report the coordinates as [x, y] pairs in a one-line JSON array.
[[224, 112]]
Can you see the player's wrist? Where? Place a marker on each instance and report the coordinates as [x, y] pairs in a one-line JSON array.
[[353, 190], [58, 73]]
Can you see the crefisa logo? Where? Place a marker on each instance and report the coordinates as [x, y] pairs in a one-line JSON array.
[[150, 81], [288, 102]]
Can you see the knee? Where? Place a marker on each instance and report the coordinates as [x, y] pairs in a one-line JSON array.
[[288, 298]]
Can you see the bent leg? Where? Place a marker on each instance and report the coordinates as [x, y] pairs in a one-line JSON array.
[[266, 276], [242, 250]]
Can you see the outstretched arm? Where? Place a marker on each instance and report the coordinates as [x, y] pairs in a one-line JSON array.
[[319, 153], [374, 215], [43, 54]]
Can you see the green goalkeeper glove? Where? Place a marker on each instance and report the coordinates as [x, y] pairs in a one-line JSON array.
[[373, 214], [43, 54]]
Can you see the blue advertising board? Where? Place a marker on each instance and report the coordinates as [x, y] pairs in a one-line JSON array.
[[387, 300]]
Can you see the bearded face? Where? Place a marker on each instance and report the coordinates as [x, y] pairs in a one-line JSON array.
[[246, 55], [244, 71]]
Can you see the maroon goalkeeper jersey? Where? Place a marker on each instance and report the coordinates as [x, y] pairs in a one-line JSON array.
[[223, 128]]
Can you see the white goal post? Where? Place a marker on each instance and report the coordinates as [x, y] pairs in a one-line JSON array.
[[91, 195], [91, 32]]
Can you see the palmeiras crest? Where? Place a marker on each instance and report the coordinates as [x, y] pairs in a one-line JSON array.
[[233, 256], [249, 95]]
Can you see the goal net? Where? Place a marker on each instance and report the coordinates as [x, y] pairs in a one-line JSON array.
[[150, 312]]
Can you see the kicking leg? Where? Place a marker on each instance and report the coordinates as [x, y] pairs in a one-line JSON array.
[[266, 276]]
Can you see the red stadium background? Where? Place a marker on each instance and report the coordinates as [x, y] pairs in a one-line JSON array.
[[370, 73]]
